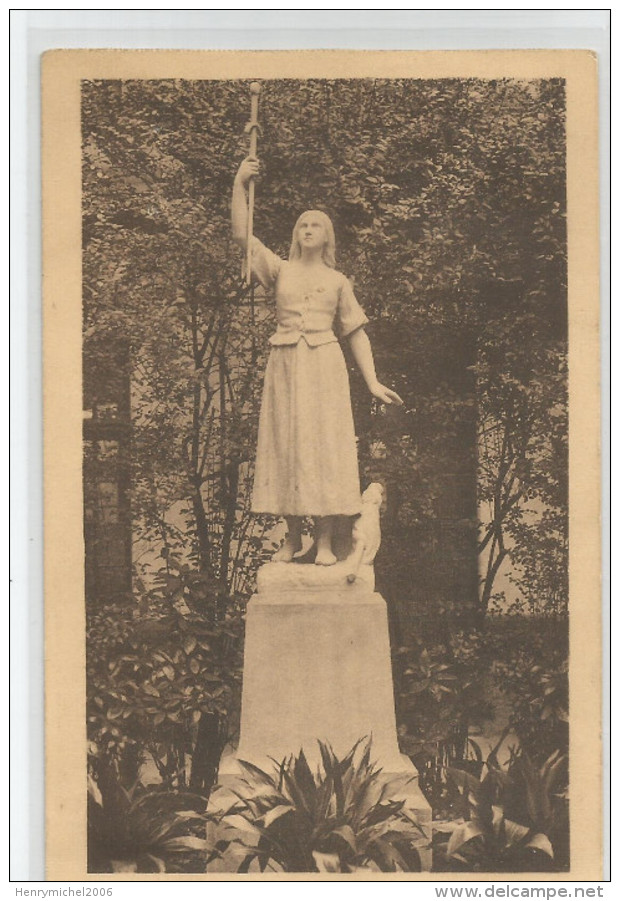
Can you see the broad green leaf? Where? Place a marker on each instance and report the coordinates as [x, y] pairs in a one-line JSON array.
[[345, 832], [275, 813], [541, 843], [186, 843], [465, 833], [326, 863]]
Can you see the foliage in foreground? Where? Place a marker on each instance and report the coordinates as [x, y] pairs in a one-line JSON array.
[[135, 830], [340, 819], [515, 818], [442, 697]]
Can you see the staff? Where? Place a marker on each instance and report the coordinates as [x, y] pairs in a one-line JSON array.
[[252, 128]]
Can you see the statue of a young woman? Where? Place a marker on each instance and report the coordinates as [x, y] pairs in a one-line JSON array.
[[306, 461]]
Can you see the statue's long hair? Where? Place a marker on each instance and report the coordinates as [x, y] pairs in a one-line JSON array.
[[329, 250]]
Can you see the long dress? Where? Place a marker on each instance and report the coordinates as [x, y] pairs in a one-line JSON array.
[[306, 458]]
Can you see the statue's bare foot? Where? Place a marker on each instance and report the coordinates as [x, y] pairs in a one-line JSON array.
[[324, 557], [288, 550]]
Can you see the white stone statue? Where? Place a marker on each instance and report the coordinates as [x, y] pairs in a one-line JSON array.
[[317, 649], [306, 461]]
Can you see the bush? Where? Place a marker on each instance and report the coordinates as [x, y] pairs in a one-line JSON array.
[[338, 820], [515, 819], [134, 830], [159, 671], [440, 695], [530, 665]]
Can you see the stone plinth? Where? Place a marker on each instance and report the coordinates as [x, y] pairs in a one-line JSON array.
[[289, 578], [317, 666]]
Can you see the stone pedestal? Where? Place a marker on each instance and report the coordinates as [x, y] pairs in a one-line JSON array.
[[317, 666]]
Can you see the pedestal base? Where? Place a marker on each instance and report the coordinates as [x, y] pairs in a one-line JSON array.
[[317, 667]]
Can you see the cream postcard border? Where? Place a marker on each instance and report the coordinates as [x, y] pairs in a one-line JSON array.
[[65, 725]]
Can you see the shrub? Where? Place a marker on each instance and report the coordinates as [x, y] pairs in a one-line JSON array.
[[440, 695], [531, 668], [158, 671], [515, 819], [134, 830], [339, 819]]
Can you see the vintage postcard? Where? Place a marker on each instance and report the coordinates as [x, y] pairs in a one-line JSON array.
[[322, 501]]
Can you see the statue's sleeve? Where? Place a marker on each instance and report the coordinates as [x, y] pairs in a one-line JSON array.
[[265, 265], [349, 315]]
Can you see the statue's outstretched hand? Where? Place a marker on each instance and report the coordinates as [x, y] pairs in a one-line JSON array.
[[386, 395]]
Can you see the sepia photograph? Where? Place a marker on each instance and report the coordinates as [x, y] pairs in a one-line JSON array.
[[326, 615]]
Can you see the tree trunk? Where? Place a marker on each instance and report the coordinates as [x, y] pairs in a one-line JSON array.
[[207, 753], [203, 540], [232, 488]]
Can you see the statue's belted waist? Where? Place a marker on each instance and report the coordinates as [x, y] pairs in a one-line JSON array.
[[293, 336]]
